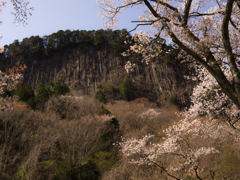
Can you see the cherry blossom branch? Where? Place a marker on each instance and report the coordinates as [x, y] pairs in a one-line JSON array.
[[234, 25], [20, 7], [160, 166], [162, 3], [238, 3]]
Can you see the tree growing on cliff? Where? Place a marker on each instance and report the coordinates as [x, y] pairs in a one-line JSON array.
[[211, 38]]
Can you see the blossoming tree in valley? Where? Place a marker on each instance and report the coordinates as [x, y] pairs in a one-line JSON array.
[[13, 77]]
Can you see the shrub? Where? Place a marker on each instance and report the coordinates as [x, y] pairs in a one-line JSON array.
[[6, 93], [103, 111], [31, 103], [60, 89], [49, 88], [88, 171], [25, 93], [104, 160], [36, 145], [39, 85], [41, 98], [112, 91], [100, 96], [111, 134], [174, 101], [71, 107], [45, 92]]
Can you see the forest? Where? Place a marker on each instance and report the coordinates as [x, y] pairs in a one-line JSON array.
[[37, 47]]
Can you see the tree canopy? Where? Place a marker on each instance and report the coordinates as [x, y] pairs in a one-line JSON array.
[[37, 47]]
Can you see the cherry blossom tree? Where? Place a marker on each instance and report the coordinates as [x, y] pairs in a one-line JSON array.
[[186, 146], [208, 99], [13, 77], [208, 35]]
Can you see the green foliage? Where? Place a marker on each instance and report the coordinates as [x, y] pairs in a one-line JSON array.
[[112, 128], [60, 89], [99, 87], [22, 172], [39, 48], [100, 96], [25, 92], [174, 101], [86, 172], [103, 111], [125, 88], [115, 122], [42, 97], [49, 88], [31, 103], [112, 91], [191, 178], [45, 92], [58, 168], [6, 93], [39, 85], [111, 132], [104, 160], [100, 39]]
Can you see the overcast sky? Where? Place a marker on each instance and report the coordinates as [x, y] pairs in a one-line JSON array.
[[49, 16]]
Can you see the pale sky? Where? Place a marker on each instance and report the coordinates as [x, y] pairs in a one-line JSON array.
[[50, 16]]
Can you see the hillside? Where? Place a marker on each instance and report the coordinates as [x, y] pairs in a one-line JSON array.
[[85, 59], [91, 120]]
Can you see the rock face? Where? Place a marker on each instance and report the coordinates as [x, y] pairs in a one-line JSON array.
[[85, 70], [84, 59], [75, 68]]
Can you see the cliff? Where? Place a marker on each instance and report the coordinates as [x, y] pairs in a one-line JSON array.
[[83, 67]]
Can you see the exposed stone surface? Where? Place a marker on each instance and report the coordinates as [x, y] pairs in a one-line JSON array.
[[85, 70]]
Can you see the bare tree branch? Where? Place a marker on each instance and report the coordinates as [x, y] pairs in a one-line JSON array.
[[227, 45], [186, 12]]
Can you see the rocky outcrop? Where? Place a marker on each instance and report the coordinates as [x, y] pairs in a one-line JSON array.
[[84, 70]]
